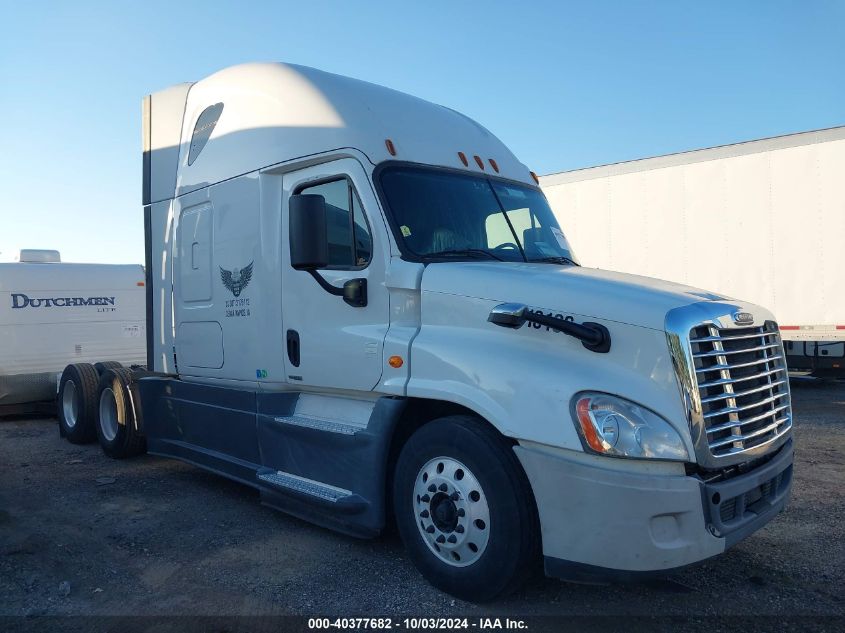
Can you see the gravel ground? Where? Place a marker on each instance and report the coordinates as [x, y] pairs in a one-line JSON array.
[[81, 534]]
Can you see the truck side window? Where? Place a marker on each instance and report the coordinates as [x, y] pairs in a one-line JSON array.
[[350, 244]]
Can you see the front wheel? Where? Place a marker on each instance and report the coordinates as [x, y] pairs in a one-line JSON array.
[[465, 510]]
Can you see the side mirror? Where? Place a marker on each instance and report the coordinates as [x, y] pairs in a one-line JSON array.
[[309, 246], [355, 293], [510, 315]]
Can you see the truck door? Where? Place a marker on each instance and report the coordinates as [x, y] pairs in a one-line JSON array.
[[330, 343]]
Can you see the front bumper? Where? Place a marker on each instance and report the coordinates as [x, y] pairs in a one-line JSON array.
[[603, 519]]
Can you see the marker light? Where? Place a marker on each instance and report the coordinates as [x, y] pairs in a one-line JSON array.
[[395, 361], [613, 426], [479, 162], [534, 176], [463, 158], [494, 165], [390, 146]]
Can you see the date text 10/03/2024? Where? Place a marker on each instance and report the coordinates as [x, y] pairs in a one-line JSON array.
[[414, 624]]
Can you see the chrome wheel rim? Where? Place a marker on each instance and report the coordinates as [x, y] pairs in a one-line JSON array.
[[70, 408], [108, 414], [451, 511]]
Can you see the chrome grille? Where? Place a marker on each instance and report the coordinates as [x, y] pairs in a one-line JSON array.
[[743, 386]]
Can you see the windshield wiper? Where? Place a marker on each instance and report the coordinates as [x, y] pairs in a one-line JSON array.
[[557, 259], [464, 252]]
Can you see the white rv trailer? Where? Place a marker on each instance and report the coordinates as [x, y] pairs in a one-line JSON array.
[[53, 314], [361, 304], [762, 220]]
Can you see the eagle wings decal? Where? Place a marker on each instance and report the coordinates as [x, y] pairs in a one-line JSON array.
[[236, 280]]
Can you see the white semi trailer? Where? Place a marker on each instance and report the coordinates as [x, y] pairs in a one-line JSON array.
[[53, 314], [763, 220], [361, 304]]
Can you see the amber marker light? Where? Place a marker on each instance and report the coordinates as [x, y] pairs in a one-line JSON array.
[[582, 408], [390, 146], [463, 158], [395, 361], [479, 162], [494, 165], [534, 176], [140, 283]]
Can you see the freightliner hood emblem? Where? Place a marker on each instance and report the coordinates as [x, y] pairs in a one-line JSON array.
[[743, 318]]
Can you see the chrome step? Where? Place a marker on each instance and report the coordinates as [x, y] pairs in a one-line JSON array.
[[319, 424], [304, 486]]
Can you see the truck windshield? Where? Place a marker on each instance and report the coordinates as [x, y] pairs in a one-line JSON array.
[[442, 215]]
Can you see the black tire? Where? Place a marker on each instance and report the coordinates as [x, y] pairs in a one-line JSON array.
[[511, 551], [116, 416], [77, 403], [102, 366]]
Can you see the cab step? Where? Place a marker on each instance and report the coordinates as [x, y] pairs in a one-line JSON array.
[[319, 424], [315, 491]]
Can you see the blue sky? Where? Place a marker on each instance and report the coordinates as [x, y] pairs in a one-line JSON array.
[[565, 84]]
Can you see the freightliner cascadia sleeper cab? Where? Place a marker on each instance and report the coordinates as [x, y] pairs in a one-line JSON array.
[[360, 304]]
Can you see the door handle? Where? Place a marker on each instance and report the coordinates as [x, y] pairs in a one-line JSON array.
[[293, 347]]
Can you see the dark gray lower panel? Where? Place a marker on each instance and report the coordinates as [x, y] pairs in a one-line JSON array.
[[740, 506], [239, 434], [355, 461], [305, 509], [220, 464], [204, 418]]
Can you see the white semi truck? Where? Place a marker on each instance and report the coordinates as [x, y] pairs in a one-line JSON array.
[[361, 304], [762, 220], [54, 313]]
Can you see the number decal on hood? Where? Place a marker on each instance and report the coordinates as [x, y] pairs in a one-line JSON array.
[[557, 315]]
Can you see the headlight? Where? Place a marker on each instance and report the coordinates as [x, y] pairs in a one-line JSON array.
[[609, 425]]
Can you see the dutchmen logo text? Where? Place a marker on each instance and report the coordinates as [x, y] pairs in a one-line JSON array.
[[20, 300], [237, 279]]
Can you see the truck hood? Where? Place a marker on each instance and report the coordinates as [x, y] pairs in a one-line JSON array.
[[575, 290]]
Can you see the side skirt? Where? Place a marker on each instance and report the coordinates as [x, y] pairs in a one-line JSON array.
[[327, 471]]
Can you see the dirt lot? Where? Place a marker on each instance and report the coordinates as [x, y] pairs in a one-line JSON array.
[[153, 536]]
